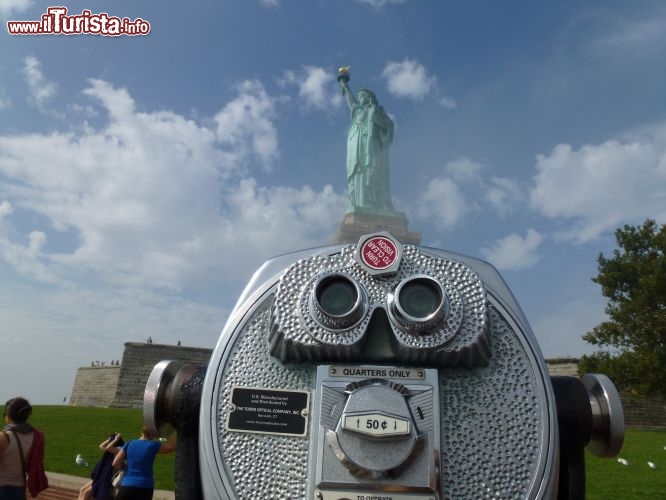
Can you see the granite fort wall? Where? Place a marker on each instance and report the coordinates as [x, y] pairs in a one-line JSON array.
[[562, 367], [122, 386], [94, 386], [139, 360], [643, 412]]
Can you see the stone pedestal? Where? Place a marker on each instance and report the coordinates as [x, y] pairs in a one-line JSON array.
[[356, 224]]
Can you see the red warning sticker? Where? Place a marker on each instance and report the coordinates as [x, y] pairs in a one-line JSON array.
[[379, 252]]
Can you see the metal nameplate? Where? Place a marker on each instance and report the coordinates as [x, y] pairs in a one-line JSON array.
[[355, 495], [388, 372], [268, 411]]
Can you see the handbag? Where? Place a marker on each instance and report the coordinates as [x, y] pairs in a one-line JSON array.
[[117, 478], [34, 477]]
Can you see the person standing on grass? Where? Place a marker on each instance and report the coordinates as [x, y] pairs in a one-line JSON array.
[[99, 486], [21, 453], [139, 454]]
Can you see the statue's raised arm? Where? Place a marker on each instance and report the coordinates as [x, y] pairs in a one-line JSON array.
[[368, 140], [343, 79]]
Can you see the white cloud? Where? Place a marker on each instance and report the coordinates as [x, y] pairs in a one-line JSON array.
[[24, 258], [503, 195], [448, 102], [380, 3], [408, 78], [317, 88], [37, 240], [153, 198], [263, 222], [466, 189], [514, 252], [465, 170], [5, 102], [151, 203], [269, 3], [41, 90], [631, 37], [245, 124], [443, 203], [86, 111], [127, 190], [10, 7], [602, 186], [5, 209]]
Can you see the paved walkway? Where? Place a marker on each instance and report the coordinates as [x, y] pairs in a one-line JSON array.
[[64, 487]]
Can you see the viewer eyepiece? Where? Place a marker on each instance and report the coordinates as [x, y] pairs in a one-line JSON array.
[[337, 301], [418, 304]]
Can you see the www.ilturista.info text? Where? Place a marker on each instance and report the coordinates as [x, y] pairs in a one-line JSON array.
[[56, 22]]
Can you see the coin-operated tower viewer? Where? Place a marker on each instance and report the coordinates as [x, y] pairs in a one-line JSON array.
[[378, 369]]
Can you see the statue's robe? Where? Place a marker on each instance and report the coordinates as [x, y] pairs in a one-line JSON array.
[[368, 140]]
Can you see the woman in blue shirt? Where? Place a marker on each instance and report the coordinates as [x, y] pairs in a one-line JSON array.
[[138, 482]]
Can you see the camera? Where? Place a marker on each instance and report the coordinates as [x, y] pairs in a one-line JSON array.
[[380, 371]]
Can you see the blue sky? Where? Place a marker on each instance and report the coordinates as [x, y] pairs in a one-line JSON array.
[[143, 179]]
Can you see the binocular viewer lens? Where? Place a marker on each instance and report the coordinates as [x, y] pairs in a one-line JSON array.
[[419, 298], [337, 296], [338, 302], [418, 304]]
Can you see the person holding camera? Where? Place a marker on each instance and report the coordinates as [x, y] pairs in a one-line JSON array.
[[99, 486], [21, 453], [139, 457]]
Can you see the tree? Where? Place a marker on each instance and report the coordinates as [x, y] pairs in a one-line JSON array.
[[633, 340]]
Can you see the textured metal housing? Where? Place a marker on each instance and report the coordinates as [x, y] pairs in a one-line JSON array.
[[497, 422], [460, 339]]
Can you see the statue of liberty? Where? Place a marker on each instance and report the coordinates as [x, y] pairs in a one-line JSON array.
[[368, 140]]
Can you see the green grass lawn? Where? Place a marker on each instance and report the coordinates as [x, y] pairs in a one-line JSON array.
[[71, 430], [607, 479]]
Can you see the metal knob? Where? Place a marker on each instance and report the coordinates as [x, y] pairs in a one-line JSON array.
[[158, 398], [607, 432]]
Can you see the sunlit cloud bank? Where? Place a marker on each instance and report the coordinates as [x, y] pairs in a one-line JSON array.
[[514, 252], [463, 190], [41, 90], [380, 3], [599, 187], [13, 7], [317, 89], [155, 199], [408, 78], [5, 102], [586, 193]]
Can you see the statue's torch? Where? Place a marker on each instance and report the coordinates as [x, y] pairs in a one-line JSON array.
[[343, 77], [343, 74]]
